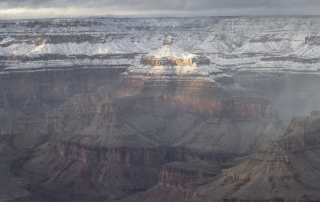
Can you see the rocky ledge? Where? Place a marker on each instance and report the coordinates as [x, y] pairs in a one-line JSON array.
[[286, 169], [178, 174]]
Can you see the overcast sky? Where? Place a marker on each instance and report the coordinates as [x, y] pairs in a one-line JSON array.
[[22, 9]]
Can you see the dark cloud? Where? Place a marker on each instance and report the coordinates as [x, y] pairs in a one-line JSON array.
[[168, 7], [163, 4]]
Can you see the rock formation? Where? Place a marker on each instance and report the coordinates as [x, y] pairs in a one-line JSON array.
[[286, 168], [70, 124], [177, 174], [115, 141]]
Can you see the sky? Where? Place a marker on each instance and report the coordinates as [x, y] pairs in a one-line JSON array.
[[34, 9]]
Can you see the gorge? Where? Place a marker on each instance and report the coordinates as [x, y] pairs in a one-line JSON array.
[[172, 109]]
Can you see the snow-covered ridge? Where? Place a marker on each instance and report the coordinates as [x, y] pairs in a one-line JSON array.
[[85, 63], [230, 43], [70, 48], [170, 51]]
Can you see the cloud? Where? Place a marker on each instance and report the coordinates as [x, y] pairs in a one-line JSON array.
[[154, 8]]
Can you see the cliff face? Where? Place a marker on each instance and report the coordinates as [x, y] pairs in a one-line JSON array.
[[117, 110], [174, 180], [109, 112], [121, 156], [277, 171], [128, 157], [51, 176], [73, 170], [123, 139], [302, 133], [36, 93], [168, 61], [178, 174]]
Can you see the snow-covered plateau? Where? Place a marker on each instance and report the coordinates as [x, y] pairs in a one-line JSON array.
[[277, 58], [232, 43]]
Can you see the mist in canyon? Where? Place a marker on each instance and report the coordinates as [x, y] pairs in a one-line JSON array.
[[160, 109]]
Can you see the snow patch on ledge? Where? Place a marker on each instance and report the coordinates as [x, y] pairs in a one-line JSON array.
[[168, 70], [170, 52]]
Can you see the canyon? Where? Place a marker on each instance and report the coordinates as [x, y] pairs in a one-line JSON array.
[[172, 109], [283, 169]]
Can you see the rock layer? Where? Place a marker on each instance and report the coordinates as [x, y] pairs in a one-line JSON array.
[[106, 142], [27, 93], [178, 174], [286, 169]]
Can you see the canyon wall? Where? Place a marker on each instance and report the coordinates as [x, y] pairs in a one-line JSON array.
[[119, 109], [27, 93], [127, 157], [275, 172]]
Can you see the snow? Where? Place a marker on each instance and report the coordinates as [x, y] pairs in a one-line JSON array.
[[232, 44], [88, 63], [6, 40], [168, 70], [85, 48], [308, 51], [72, 49], [170, 51]]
